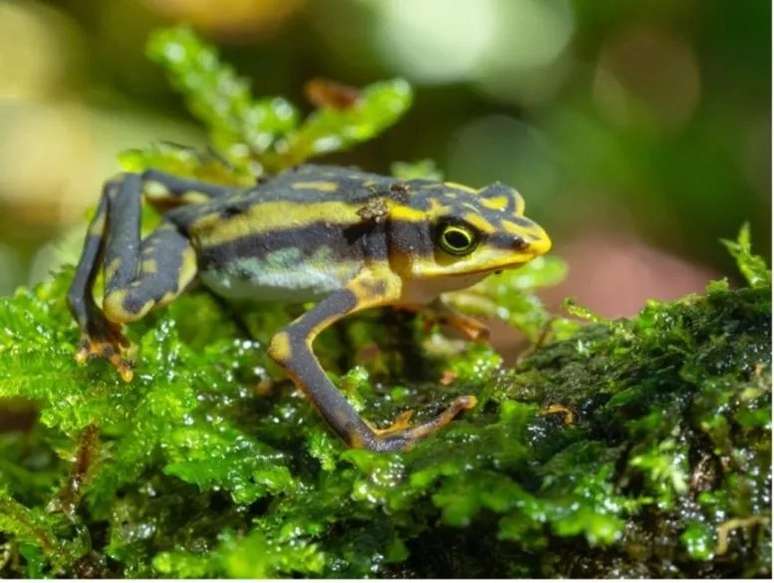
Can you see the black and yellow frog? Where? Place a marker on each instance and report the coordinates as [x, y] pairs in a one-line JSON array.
[[345, 238]]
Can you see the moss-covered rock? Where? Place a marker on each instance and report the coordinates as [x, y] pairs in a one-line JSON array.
[[630, 448]]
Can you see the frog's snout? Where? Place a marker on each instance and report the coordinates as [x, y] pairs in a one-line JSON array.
[[540, 243]]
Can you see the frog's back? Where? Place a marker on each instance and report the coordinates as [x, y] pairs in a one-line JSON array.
[[309, 183], [313, 183], [297, 236]]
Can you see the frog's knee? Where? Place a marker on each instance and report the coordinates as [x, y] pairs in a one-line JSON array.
[[124, 306], [280, 348]]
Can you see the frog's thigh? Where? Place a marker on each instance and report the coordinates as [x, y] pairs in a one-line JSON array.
[[167, 264], [292, 348], [166, 190]]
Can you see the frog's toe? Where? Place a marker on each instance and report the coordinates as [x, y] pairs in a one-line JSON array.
[[106, 341], [468, 327], [400, 436], [471, 328], [458, 405], [401, 423]]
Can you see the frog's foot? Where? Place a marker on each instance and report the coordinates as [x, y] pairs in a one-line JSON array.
[[105, 340], [401, 437], [401, 423], [438, 312], [469, 327]]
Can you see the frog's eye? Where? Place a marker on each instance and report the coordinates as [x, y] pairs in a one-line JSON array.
[[457, 239]]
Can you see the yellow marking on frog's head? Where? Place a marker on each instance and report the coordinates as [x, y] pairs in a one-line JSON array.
[[441, 240], [480, 222], [458, 186], [318, 185], [496, 203], [501, 197]]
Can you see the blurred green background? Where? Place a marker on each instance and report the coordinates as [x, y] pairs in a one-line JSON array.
[[639, 132]]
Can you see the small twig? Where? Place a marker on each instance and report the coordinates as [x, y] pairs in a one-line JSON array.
[[542, 339], [71, 492], [724, 529], [701, 478]]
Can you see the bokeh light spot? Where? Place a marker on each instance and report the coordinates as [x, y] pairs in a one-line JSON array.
[[435, 41], [530, 33], [231, 20], [647, 77], [503, 148], [524, 64], [37, 50]]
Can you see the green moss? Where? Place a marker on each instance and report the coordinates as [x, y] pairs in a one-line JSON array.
[[637, 447], [752, 266]]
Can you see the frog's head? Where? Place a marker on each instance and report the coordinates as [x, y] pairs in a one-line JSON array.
[[455, 233]]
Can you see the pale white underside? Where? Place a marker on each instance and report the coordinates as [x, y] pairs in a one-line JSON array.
[[283, 276]]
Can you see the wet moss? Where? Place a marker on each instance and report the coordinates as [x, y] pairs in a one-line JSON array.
[[630, 448], [635, 447]]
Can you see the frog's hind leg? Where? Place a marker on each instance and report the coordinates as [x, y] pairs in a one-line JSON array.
[[165, 265], [138, 274], [99, 336], [292, 349], [165, 191]]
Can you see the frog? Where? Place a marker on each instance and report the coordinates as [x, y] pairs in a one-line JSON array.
[[345, 239]]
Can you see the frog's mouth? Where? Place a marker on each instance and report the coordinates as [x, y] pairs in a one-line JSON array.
[[499, 266]]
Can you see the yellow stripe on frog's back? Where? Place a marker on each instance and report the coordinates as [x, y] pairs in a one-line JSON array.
[[318, 185], [460, 186], [264, 217]]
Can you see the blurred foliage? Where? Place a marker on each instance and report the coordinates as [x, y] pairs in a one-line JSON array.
[[649, 120], [255, 136], [753, 267], [626, 448]]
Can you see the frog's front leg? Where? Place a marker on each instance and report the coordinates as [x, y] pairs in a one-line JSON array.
[[439, 312], [292, 349], [138, 274]]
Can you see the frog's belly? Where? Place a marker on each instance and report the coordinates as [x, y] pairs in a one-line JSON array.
[[278, 279]]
